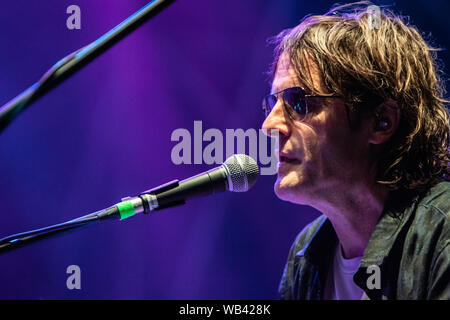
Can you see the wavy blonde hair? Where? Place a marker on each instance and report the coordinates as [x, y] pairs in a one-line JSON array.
[[368, 61]]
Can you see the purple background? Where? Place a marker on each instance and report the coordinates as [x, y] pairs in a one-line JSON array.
[[105, 134]]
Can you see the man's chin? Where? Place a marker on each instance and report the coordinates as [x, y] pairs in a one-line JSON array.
[[292, 190], [284, 191]]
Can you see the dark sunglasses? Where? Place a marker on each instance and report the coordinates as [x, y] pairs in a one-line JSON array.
[[294, 98]]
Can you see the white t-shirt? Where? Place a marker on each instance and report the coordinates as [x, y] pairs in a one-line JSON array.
[[340, 284]]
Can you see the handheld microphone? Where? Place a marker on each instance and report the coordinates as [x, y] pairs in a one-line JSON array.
[[237, 174]]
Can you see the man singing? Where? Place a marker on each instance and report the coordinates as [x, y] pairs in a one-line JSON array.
[[357, 103]]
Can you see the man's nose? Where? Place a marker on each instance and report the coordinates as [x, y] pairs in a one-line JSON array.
[[276, 120]]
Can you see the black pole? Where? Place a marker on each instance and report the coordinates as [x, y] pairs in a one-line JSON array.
[[21, 239], [67, 66]]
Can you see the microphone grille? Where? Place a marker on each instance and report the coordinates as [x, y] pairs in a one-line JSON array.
[[243, 172]]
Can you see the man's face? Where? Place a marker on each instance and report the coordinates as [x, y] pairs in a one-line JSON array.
[[319, 157]]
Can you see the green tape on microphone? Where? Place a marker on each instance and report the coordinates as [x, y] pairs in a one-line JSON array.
[[126, 209]]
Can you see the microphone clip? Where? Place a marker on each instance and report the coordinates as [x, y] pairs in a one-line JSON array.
[[150, 200]]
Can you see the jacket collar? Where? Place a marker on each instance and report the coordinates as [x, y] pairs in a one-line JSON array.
[[393, 220], [322, 243]]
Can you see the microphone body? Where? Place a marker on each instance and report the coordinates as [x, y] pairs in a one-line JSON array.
[[203, 184], [237, 174]]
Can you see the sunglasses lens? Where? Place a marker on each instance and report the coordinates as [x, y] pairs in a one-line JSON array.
[[268, 104], [295, 98], [292, 97]]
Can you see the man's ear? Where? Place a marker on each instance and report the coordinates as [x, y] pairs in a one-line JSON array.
[[385, 122]]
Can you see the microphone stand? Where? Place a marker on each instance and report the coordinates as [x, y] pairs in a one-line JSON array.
[[20, 239], [70, 64], [144, 203], [238, 173], [59, 72]]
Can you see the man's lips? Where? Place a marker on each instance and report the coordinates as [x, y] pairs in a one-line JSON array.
[[285, 158]]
